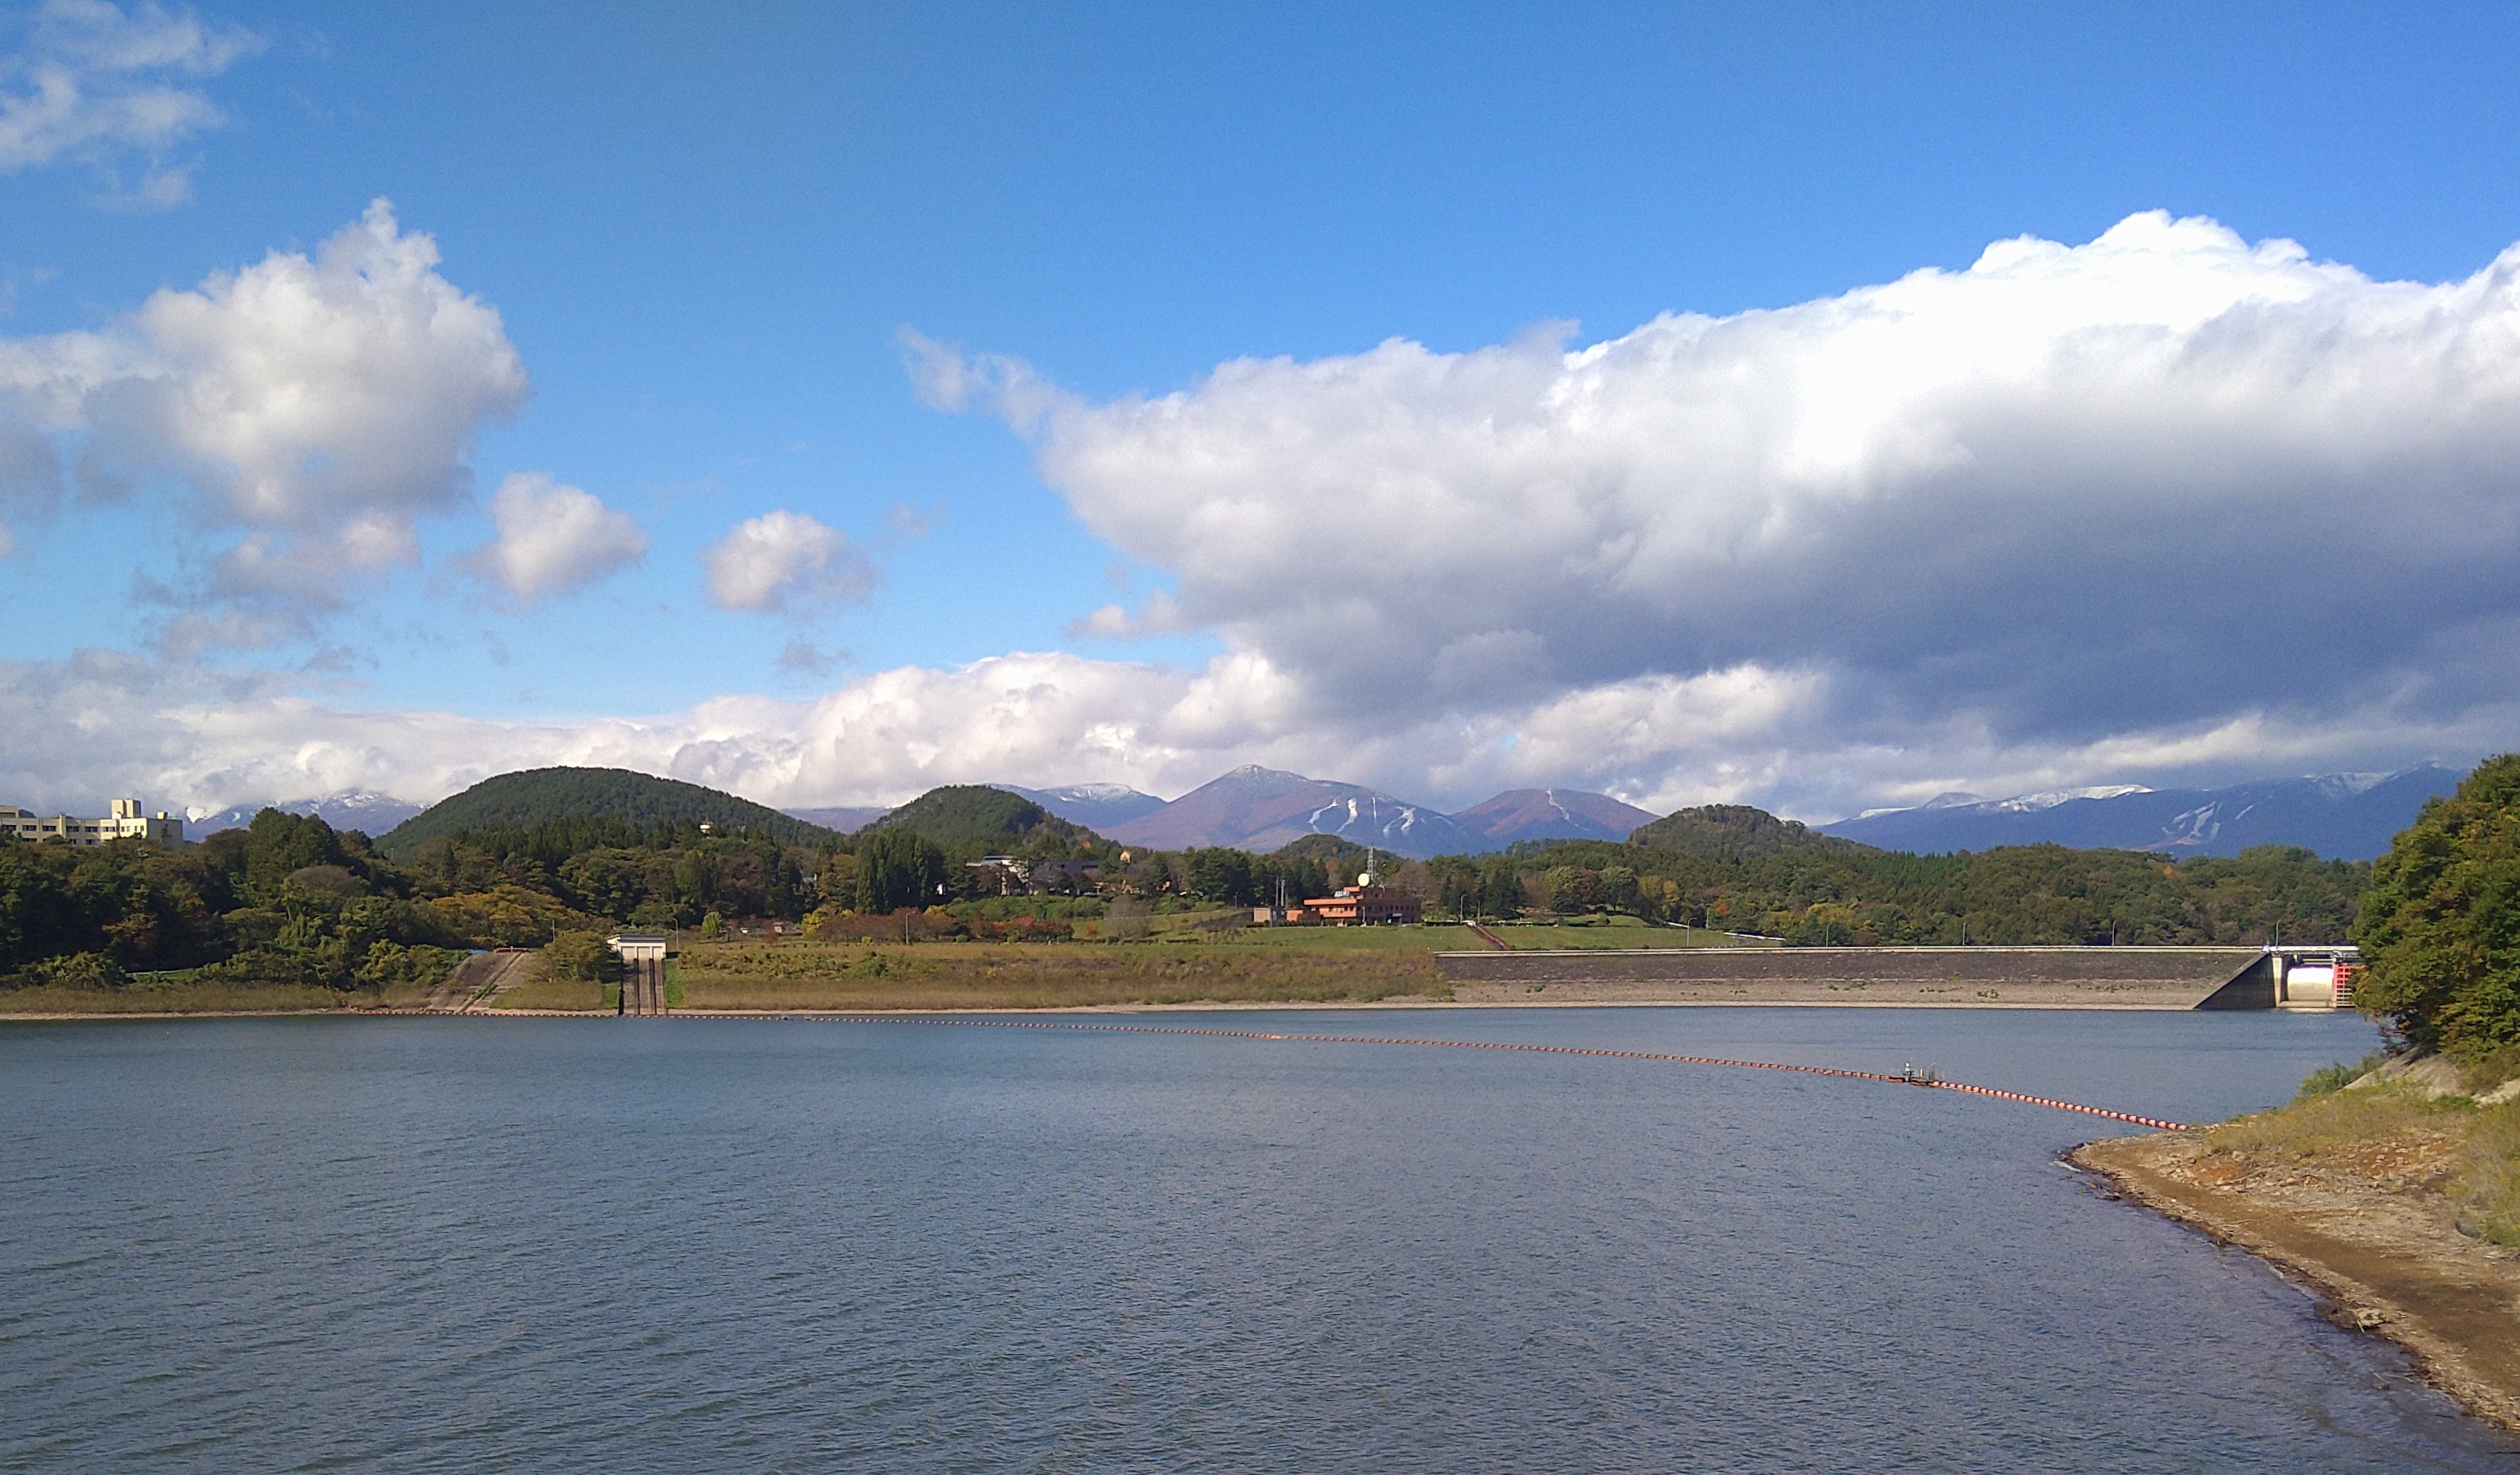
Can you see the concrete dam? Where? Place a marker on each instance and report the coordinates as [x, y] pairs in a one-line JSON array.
[[1980, 977]]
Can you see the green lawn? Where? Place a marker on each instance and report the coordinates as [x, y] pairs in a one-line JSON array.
[[1445, 937], [1609, 932], [1437, 937]]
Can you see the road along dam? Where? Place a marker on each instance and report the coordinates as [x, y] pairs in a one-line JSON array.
[[1974, 978]]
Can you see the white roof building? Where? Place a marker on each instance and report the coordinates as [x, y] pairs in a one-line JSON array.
[[126, 822]]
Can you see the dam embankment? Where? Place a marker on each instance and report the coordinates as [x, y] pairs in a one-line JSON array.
[[1980, 977]]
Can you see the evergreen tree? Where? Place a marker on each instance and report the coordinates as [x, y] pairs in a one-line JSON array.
[[898, 868]]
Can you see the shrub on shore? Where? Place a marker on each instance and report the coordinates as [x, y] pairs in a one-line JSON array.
[[2336, 1075], [581, 956], [80, 970], [2340, 1120]]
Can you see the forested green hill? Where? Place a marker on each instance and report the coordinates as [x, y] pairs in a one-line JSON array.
[[1738, 832], [612, 806], [960, 814], [1840, 893]]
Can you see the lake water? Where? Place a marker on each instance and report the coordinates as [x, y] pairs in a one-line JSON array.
[[634, 1245]]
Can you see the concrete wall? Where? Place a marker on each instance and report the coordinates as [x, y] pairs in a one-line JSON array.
[[2090, 978]]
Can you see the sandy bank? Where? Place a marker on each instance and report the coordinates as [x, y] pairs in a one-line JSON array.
[[2386, 1251]]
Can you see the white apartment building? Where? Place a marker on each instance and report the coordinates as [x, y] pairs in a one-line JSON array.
[[126, 822]]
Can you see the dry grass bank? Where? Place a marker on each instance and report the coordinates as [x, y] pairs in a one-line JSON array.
[[185, 998], [2390, 1139], [1040, 976], [540, 991]]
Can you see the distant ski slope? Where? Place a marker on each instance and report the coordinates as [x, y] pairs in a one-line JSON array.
[[2343, 817]]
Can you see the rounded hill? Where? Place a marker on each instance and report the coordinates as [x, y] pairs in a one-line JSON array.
[[539, 796], [968, 814], [1738, 832]]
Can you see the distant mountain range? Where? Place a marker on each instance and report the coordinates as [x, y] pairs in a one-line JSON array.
[[1099, 807], [2343, 817], [842, 817], [1549, 815], [1259, 810], [349, 809], [1252, 809]]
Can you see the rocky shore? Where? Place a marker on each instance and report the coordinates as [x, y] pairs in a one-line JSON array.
[[2372, 1224]]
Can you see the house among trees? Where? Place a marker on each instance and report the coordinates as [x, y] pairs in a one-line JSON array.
[[1005, 872], [1365, 903], [1361, 904], [1016, 877]]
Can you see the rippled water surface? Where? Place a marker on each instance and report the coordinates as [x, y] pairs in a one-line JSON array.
[[677, 1244]]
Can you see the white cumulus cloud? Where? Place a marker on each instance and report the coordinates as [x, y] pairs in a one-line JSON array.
[[182, 735], [313, 408], [786, 561], [2155, 483], [95, 81], [553, 537]]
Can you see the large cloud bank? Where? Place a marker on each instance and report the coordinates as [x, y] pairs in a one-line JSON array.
[[2165, 505], [76, 731], [2167, 481], [2159, 477]]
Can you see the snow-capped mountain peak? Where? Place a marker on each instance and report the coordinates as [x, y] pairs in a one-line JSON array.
[[2031, 804]]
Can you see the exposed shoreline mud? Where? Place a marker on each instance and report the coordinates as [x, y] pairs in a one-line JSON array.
[[2382, 1246]]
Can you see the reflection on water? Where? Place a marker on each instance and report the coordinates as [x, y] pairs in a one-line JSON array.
[[634, 1245]]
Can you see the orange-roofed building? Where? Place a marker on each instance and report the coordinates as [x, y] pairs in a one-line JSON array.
[[1363, 904]]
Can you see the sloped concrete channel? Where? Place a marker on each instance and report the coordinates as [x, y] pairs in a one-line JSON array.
[[477, 982], [1980, 977]]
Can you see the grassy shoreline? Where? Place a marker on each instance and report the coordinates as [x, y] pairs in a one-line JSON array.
[[191, 998], [815, 977], [959, 976]]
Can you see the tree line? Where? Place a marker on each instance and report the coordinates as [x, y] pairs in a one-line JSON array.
[[290, 899]]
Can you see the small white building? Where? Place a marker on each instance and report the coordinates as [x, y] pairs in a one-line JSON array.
[[126, 822], [639, 947]]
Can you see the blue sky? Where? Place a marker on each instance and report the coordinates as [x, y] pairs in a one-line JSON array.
[[714, 239]]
